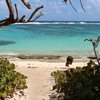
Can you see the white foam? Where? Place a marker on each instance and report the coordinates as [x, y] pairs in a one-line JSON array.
[[83, 23], [9, 53], [71, 23], [40, 23]]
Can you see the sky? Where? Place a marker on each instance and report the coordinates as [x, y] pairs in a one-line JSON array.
[[56, 10]]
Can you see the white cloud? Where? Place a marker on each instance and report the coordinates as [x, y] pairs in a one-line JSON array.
[[91, 6], [56, 8], [2, 3], [95, 4]]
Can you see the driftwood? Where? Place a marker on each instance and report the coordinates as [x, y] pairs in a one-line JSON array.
[[95, 44], [12, 19]]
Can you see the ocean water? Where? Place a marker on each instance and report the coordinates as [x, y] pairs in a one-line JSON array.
[[52, 38]]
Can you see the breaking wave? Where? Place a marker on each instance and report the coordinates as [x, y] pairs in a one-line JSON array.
[[39, 23]]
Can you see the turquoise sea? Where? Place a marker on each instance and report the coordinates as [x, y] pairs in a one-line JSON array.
[[59, 38]]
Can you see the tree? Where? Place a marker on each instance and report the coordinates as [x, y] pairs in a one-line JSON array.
[[80, 83], [95, 45], [12, 19]]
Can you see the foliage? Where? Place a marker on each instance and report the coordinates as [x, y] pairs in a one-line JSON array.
[[10, 80], [69, 60], [82, 83]]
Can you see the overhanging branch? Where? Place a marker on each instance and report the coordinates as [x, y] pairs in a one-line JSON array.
[[34, 12], [11, 19], [10, 8], [38, 16], [27, 4], [16, 12]]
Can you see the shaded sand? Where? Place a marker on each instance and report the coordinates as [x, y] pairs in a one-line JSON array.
[[39, 80]]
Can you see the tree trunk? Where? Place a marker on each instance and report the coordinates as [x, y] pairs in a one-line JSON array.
[[11, 9], [97, 58]]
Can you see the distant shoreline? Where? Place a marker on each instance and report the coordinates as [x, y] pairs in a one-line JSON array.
[[48, 58]]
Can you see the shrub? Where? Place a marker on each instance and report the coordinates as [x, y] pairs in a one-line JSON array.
[[10, 80], [69, 60], [80, 83]]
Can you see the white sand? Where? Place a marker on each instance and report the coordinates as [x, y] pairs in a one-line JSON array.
[[39, 80]]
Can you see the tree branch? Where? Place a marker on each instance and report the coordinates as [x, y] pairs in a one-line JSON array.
[[11, 20], [41, 14], [95, 44], [82, 6], [72, 5], [16, 12], [27, 4], [34, 12], [10, 8], [22, 19], [70, 1]]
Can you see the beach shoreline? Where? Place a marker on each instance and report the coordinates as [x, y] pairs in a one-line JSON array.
[[38, 69], [39, 81], [48, 58]]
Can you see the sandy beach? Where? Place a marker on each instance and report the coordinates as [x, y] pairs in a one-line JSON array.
[[39, 79], [38, 37]]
